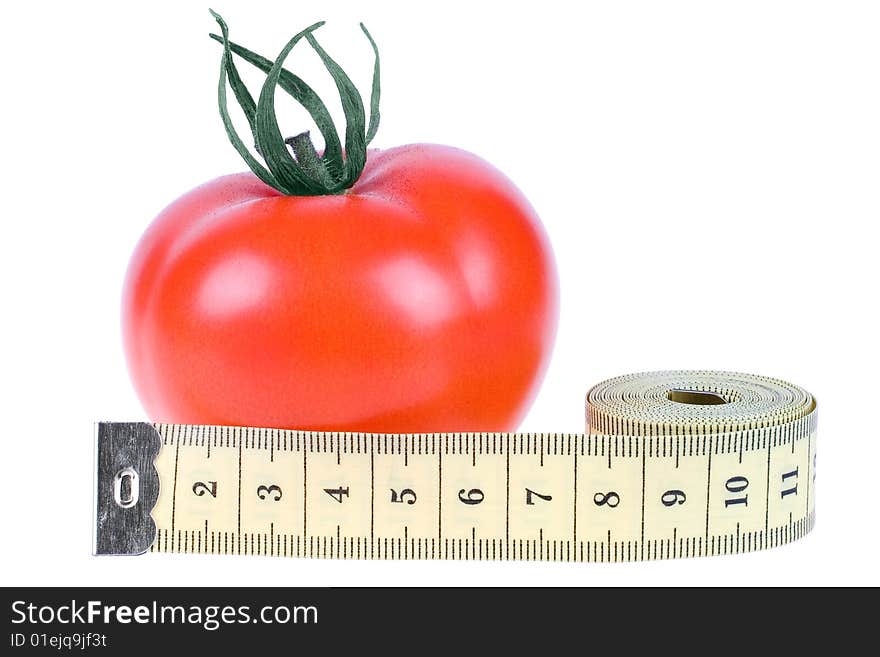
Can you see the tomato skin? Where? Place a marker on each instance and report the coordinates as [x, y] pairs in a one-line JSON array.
[[423, 299]]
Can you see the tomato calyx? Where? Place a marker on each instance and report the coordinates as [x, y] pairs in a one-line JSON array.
[[293, 166]]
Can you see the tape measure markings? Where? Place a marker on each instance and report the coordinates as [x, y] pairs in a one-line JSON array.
[[607, 448], [630, 489]]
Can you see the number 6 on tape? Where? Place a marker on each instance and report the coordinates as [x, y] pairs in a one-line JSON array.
[[673, 464]]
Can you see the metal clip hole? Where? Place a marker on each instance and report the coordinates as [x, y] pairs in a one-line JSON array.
[[126, 488], [699, 397]]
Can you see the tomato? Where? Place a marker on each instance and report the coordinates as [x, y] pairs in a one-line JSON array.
[[422, 298]]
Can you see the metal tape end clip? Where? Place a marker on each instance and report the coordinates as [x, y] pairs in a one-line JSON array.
[[126, 487]]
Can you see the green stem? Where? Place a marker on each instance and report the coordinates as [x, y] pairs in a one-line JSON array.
[[307, 157], [304, 172]]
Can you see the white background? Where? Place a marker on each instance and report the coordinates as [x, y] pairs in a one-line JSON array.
[[708, 173]]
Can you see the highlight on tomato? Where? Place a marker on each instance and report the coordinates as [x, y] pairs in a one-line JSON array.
[[411, 289]]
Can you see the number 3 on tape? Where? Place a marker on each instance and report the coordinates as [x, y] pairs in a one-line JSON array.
[[673, 464]]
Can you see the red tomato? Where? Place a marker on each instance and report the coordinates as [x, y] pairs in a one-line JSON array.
[[422, 299]]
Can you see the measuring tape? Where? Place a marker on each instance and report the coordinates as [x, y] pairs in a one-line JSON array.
[[673, 464]]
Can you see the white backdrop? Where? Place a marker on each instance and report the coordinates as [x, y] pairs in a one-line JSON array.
[[685, 157]]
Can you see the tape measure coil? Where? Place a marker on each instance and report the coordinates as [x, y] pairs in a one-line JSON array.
[[645, 404]]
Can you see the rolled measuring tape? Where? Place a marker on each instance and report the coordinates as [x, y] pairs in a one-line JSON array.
[[672, 464]]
